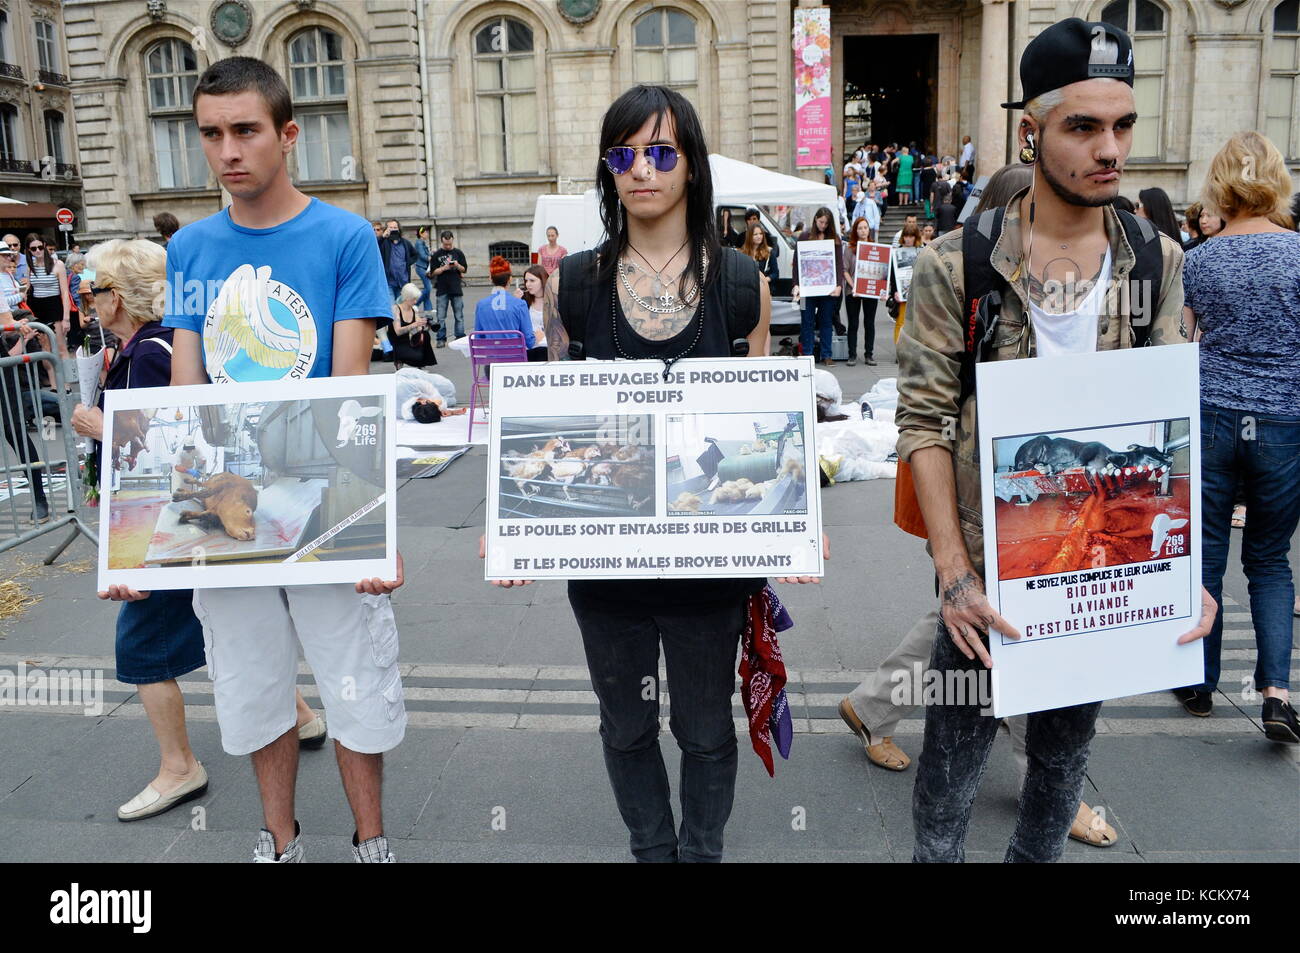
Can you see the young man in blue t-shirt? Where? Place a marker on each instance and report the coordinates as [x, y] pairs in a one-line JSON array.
[[282, 286]]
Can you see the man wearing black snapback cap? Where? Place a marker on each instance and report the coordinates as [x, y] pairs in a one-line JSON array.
[[1074, 277]]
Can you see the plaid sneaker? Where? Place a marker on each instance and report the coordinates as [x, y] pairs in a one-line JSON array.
[[264, 852], [372, 851]]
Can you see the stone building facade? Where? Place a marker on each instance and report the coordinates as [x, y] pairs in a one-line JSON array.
[[38, 139], [353, 69], [462, 112], [731, 59]]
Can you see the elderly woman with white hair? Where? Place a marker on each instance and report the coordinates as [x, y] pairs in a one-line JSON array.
[[158, 637], [409, 332]]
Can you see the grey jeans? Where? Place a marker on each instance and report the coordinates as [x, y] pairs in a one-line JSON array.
[[955, 754]]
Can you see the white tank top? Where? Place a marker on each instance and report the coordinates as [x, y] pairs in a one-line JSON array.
[[1074, 332]]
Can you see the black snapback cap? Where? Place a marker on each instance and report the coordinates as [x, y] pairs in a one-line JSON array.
[[1071, 51]]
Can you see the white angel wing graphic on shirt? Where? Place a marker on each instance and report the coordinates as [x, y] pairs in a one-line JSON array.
[[244, 323]]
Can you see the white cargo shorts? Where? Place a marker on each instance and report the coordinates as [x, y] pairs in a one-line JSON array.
[[251, 638]]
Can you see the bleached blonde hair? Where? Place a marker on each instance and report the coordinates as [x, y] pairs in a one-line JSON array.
[[137, 270], [409, 293]]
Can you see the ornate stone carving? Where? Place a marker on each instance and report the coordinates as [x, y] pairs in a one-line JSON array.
[[304, 4], [1229, 4], [231, 21], [157, 9], [579, 12]]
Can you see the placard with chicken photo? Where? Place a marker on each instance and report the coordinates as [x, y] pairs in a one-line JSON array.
[[248, 484], [641, 470], [577, 466], [736, 464]]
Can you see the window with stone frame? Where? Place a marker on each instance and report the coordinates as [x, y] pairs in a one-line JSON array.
[[9, 132], [1146, 22], [5, 45], [1282, 95], [319, 88], [55, 136], [171, 72], [664, 51], [505, 94], [47, 46]]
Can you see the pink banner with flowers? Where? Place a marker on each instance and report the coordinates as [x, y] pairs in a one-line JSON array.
[[812, 87]]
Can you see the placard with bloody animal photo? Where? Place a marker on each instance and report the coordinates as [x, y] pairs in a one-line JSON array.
[[1090, 467], [267, 484]]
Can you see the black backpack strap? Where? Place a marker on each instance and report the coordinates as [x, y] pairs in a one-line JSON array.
[[982, 288], [739, 275], [1146, 277], [577, 291]]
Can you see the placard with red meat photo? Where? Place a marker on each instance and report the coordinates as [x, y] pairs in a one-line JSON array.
[[1090, 471]]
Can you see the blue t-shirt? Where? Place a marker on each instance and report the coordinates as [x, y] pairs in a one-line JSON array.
[[502, 311], [1245, 293], [265, 300]]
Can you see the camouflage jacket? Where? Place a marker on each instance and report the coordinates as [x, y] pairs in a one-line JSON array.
[[930, 347]]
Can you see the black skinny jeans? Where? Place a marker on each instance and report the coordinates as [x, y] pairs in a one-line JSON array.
[[700, 656], [863, 309]]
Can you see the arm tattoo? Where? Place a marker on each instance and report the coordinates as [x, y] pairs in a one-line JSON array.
[[557, 339]]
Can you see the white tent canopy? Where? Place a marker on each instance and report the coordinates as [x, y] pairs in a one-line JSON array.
[[739, 183]]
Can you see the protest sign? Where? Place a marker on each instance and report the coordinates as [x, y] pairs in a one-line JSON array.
[[255, 484], [616, 470], [902, 260], [819, 268], [871, 271], [1092, 524]]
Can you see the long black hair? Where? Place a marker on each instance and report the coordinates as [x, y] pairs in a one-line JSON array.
[[47, 254], [624, 117], [811, 233], [1161, 212]]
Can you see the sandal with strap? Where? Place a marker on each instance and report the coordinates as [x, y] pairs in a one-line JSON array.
[[885, 753], [1090, 828]]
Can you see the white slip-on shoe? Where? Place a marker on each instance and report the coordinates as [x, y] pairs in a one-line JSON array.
[[151, 802], [312, 734], [264, 852]]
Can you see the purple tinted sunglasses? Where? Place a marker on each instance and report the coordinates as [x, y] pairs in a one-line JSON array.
[[619, 159]]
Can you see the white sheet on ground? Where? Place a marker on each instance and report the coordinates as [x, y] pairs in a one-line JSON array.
[[448, 432], [858, 449]]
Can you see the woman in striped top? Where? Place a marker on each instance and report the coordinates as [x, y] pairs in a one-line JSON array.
[[48, 295]]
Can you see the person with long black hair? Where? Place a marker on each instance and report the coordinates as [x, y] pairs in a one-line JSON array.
[[48, 294], [1154, 204], [819, 311], [661, 288]]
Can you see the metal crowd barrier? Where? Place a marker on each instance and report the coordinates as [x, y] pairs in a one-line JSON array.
[[26, 459]]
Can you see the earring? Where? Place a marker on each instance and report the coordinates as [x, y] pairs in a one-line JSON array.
[[1030, 152], [622, 217]]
